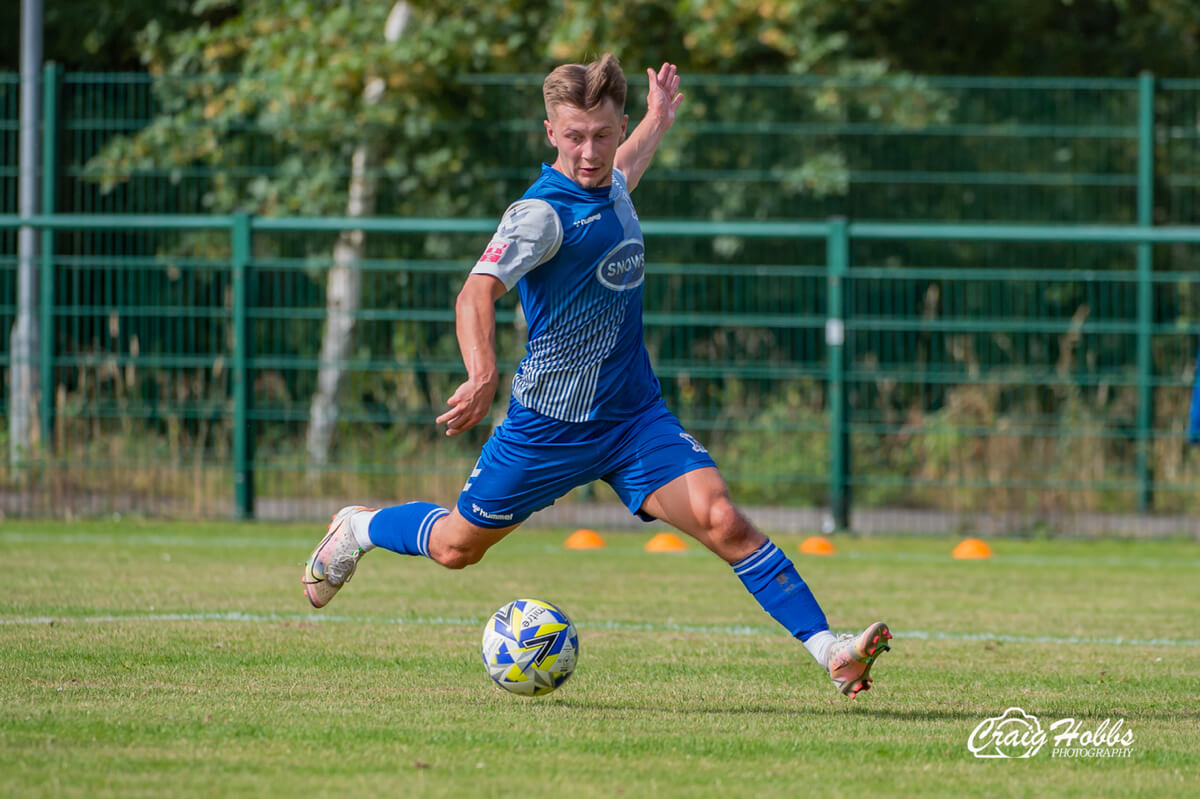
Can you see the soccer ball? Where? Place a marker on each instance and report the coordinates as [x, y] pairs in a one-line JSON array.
[[530, 647]]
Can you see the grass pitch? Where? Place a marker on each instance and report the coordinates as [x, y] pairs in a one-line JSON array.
[[151, 659]]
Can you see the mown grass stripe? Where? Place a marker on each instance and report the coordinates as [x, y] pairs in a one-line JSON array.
[[658, 627], [303, 546]]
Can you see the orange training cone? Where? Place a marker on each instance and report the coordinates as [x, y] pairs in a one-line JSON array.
[[971, 549], [665, 542], [584, 539], [816, 545]]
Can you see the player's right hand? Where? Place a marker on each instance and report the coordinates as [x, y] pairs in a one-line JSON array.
[[470, 402]]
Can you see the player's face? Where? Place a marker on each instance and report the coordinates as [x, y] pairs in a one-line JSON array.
[[586, 141]]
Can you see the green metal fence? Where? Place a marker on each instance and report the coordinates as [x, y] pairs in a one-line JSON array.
[[822, 377], [790, 147], [891, 374]]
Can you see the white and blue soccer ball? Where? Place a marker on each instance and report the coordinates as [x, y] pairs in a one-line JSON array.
[[530, 647]]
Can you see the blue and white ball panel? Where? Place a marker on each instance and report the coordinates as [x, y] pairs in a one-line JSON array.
[[530, 647]]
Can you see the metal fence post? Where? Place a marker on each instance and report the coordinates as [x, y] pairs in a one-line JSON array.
[[51, 83], [22, 344], [243, 472], [1145, 293], [837, 249]]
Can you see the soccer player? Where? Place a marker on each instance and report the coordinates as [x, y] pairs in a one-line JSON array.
[[585, 403]]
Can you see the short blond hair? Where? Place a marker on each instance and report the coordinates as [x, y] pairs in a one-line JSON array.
[[585, 86]]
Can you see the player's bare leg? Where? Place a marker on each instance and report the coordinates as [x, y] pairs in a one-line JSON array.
[[698, 503], [457, 543]]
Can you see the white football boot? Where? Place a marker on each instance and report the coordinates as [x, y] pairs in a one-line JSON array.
[[332, 563], [851, 658]]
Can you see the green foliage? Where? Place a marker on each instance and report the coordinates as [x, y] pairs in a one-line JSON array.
[[101, 35], [1092, 38], [1116, 38], [284, 88], [744, 36], [777, 454]]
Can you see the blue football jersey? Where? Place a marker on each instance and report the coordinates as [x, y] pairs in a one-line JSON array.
[[577, 258]]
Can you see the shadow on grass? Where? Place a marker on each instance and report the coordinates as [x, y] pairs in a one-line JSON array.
[[815, 710], [972, 715]]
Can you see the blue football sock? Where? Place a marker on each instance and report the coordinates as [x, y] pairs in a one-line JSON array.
[[772, 579], [405, 528]]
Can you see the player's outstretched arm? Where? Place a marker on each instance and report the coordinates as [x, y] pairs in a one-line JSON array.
[[475, 324], [662, 100]]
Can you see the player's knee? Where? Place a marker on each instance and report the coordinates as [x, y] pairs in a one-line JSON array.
[[727, 527], [455, 556]]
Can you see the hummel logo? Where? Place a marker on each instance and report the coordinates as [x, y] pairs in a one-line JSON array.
[[588, 221], [504, 517]]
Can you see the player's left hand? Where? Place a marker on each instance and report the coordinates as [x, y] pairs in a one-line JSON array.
[[469, 404], [663, 97]]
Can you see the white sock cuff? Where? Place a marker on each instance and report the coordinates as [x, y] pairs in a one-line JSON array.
[[360, 524], [818, 646]]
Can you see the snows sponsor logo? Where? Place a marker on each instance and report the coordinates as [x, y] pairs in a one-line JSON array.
[[1017, 734], [624, 267]]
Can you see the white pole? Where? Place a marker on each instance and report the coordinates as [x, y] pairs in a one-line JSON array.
[[24, 343]]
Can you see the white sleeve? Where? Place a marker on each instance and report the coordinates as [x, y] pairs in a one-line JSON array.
[[529, 234]]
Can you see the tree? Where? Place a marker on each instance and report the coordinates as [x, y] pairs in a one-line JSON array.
[[338, 103], [343, 295], [99, 35], [1080, 38], [315, 91]]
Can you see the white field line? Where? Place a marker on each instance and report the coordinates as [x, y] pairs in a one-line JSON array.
[[302, 547], [661, 627]]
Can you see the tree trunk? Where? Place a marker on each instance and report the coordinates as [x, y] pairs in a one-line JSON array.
[[342, 298], [344, 288]]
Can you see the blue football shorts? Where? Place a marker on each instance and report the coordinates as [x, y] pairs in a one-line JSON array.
[[531, 460]]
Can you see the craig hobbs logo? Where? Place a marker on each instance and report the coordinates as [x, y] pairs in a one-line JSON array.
[[1017, 734]]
